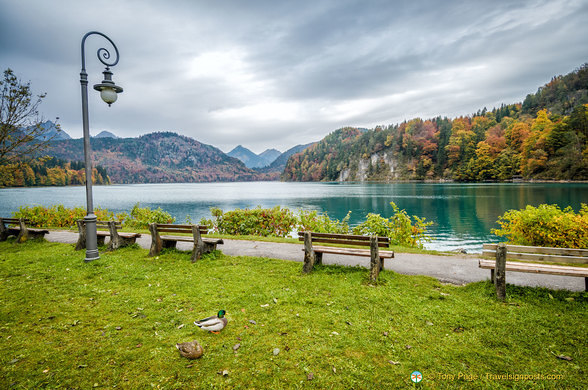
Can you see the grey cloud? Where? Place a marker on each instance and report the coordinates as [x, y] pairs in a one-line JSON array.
[[362, 62]]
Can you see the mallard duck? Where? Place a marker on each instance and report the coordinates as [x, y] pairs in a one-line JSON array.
[[213, 324], [190, 350]]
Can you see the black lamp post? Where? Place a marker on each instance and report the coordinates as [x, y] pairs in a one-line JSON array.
[[108, 93]]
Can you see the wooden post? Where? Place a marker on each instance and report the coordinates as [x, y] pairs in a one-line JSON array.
[[156, 243], [24, 233], [375, 261], [115, 240], [198, 244], [3, 231], [81, 244], [500, 274], [309, 255]]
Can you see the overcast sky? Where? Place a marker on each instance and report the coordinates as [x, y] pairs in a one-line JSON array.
[[274, 74]]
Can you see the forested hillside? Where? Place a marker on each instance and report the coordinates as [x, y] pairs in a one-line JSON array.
[[543, 138], [161, 157], [49, 172]]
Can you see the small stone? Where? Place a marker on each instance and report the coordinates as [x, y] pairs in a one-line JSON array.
[[118, 328], [310, 376], [276, 351], [385, 334], [253, 322], [429, 323], [393, 362], [236, 347]]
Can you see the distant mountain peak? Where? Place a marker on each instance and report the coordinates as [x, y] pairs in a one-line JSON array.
[[106, 134], [51, 131], [252, 160]]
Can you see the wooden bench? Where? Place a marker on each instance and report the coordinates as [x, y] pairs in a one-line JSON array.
[[313, 254], [201, 245], [22, 232], [117, 239], [566, 256]]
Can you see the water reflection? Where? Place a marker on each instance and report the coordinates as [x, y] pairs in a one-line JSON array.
[[463, 214]]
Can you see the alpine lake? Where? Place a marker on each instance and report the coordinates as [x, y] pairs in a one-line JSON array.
[[463, 214]]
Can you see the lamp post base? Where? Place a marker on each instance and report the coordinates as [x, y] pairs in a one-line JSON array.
[[92, 255], [91, 238]]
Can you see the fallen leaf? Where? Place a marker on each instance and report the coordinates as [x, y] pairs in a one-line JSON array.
[[139, 345], [46, 371], [236, 347], [243, 310], [429, 323], [181, 326], [266, 305], [310, 376], [275, 300], [118, 328], [238, 338], [408, 346], [253, 322], [334, 370], [286, 348], [385, 334], [393, 362], [334, 333], [550, 296], [82, 365], [223, 372], [276, 351], [563, 357], [348, 323], [459, 329]]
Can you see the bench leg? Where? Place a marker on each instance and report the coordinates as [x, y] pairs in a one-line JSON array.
[[318, 258], [375, 260], [492, 276], [156, 243], [309, 255], [100, 240]]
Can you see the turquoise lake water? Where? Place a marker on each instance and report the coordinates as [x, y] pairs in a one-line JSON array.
[[463, 214]]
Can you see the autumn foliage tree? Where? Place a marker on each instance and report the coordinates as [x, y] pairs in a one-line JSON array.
[[21, 133]]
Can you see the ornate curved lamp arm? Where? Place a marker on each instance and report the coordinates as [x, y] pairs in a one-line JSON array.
[[102, 53]]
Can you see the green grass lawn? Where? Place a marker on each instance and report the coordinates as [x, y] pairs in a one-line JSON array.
[[114, 323]]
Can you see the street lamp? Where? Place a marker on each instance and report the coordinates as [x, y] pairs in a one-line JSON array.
[[108, 92]]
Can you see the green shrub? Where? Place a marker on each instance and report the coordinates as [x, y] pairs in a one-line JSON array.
[[141, 217], [399, 227], [545, 225], [275, 222], [321, 223], [58, 215]]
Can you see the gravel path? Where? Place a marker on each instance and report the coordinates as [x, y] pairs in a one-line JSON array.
[[456, 269]]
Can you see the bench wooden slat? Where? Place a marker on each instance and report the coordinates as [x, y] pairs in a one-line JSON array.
[[187, 231], [350, 251], [345, 242], [539, 249], [537, 268], [344, 236], [541, 257]]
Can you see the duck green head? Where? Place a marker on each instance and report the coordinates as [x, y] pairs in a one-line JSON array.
[[221, 313]]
